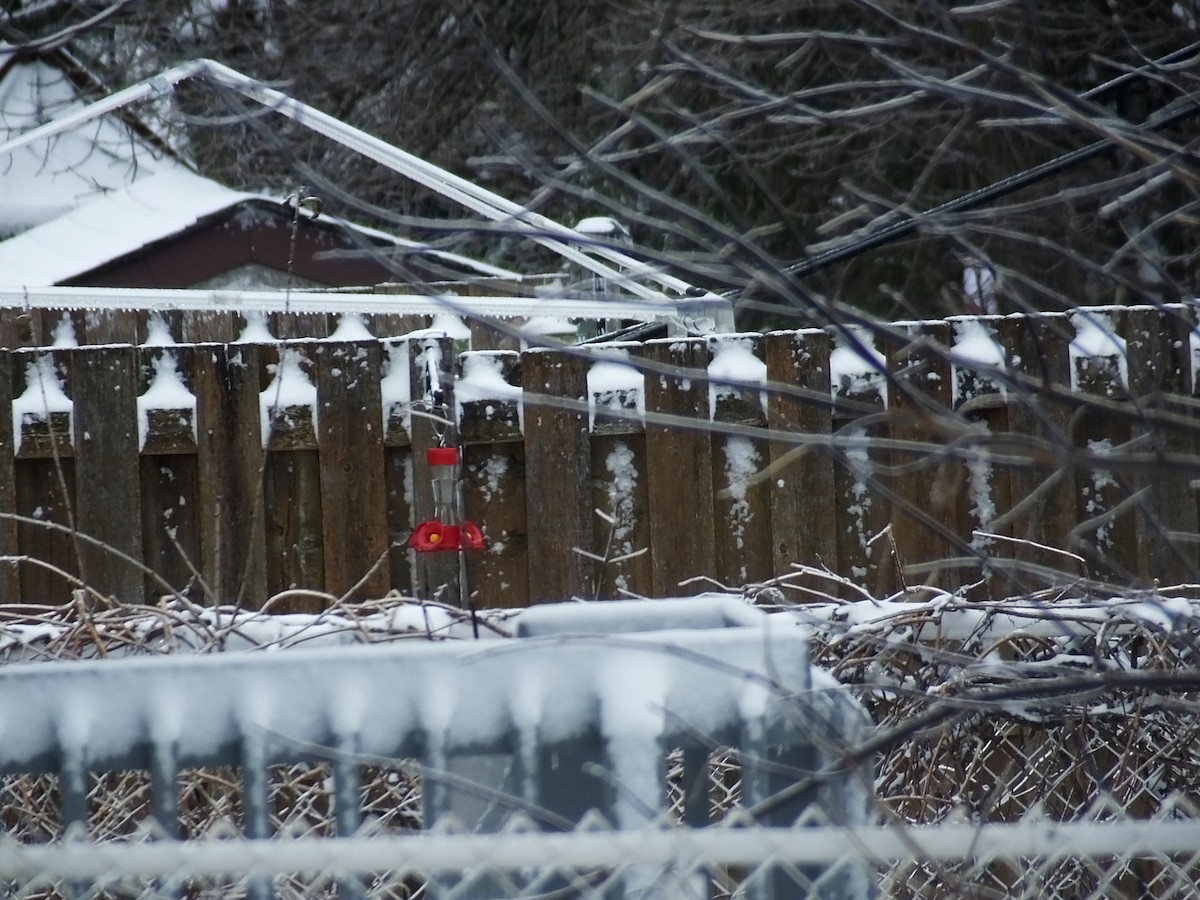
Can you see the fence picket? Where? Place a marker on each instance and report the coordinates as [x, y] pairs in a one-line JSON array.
[[1041, 346], [1159, 372], [680, 496], [350, 437], [803, 512], [742, 537], [230, 471], [10, 574], [168, 474], [318, 507], [928, 486], [108, 504], [557, 476]]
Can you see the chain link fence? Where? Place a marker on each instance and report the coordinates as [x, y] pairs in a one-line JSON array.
[[1021, 750]]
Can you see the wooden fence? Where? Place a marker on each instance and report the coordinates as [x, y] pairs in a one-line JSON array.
[[622, 469]]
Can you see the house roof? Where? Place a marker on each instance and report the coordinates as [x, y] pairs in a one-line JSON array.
[[99, 203], [176, 228], [112, 226], [52, 176]]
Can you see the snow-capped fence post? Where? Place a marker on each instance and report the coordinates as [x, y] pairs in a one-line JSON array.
[[558, 481], [1160, 369], [617, 393], [350, 442], [107, 470], [981, 366], [801, 479], [680, 490]]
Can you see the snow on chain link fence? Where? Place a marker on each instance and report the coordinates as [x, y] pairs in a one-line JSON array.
[[1089, 790], [1032, 859]]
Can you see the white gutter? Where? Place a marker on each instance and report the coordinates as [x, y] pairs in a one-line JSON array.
[[498, 307], [539, 228]]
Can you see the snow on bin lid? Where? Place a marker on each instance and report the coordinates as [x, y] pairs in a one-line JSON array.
[[703, 611]]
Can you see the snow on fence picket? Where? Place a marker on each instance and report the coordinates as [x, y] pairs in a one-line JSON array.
[[994, 448]]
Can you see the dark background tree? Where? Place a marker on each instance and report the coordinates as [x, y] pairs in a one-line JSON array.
[[737, 138]]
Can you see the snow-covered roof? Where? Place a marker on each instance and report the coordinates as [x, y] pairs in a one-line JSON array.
[[111, 226], [151, 209], [50, 177]]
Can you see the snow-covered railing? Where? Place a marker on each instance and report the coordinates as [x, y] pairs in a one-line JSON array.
[[964, 853], [513, 307], [575, 722]]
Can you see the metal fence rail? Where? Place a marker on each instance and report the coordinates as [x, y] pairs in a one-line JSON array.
[[946, 860], [560, 729]]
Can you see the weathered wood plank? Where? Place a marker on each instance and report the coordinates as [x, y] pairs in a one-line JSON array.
[[298, 326], [801, 481], [1160, 378], [1046, 487], [44, 473], [928, 485], [350, 434], [291, 476], [108, 492], [398, 480], [981, 401], [619, 479], [557, 477], [10, 573], [226, 381], [198, 327], [170, 539], [495, 500], [295, 543], [46, 492], [680, 492], [1105, 531], [742, 536], [109, 326], [861, 505]]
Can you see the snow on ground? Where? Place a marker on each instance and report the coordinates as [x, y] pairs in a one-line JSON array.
[[174, 625]]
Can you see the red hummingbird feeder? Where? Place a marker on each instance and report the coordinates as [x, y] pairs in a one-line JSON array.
[[445, 532]]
